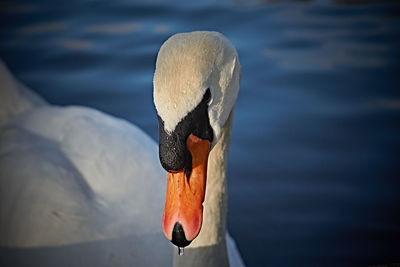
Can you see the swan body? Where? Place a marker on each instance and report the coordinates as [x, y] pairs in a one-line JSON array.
[[70, 186], [81, 188]]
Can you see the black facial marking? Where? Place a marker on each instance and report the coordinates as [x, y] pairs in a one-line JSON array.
[[173, 152]]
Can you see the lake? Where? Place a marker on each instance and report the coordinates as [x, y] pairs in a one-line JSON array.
[[314, 168]]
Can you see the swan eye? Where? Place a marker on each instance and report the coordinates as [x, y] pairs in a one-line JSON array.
[[207, 96]]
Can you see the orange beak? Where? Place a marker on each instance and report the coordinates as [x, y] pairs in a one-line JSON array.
[[183, 213]]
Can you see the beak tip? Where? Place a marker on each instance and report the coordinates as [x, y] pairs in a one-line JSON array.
[[178, 236]]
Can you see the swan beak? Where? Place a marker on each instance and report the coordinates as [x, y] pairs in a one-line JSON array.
[[183, 213]]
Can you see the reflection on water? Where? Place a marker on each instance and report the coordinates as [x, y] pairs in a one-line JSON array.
[[314, 164]]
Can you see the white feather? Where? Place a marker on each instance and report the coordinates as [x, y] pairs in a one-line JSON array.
[[188, 64]]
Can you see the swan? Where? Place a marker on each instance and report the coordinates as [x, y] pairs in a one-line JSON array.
[[82, 188]]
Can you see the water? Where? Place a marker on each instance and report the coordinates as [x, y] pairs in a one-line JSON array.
[[314, 161], [180, 251]]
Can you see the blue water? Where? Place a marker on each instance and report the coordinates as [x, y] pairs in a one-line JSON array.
[[314, 170]]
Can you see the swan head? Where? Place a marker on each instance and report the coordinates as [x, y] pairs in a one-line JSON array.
[[196, 83]]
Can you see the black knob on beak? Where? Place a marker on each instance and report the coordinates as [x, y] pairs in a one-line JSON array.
[[178, 236]]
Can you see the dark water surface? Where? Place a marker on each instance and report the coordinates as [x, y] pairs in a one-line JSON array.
[[314, 171]]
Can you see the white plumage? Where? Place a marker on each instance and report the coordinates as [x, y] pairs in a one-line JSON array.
[[190, 64], [76, 182]]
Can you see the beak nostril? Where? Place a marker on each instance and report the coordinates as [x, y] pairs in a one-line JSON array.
[[178, 236]]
